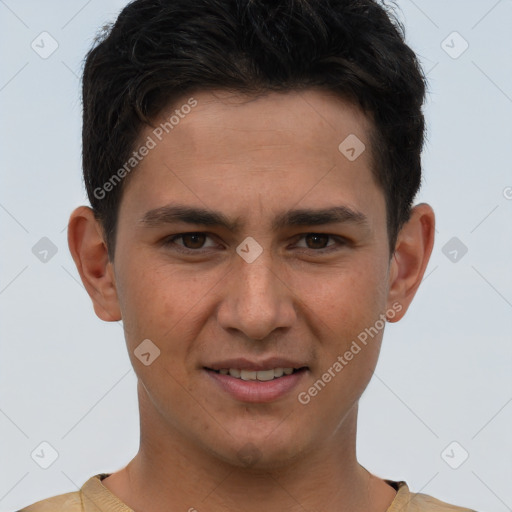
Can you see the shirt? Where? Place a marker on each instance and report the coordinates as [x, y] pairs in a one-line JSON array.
[[95, 497]]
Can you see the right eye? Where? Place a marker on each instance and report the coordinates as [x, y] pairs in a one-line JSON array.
[[194, 240]]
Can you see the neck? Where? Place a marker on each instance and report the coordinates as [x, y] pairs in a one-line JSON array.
[[186, 477]]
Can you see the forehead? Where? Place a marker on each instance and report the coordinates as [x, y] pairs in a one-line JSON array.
[[315, 119], [244, 153]]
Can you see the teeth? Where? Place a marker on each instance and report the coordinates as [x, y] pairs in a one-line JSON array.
[[265, 375], [262, 375]]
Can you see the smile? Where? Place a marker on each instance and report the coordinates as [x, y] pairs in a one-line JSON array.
[[260, 375], [265, 385]]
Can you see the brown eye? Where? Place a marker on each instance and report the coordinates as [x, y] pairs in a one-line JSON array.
[[318, 243], [193, 240], [318, 240]]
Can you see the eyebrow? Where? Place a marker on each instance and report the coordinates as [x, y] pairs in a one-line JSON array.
[[173, 213]]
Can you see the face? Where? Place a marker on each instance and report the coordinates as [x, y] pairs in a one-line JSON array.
[[252, 293]]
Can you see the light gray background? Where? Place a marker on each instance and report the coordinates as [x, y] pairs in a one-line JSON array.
[[445, 369]]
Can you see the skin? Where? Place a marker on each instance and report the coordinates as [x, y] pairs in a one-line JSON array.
[[252, 158]]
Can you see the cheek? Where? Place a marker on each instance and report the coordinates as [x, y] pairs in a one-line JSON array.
[[345, 310], [169, 305], [148, 296], [156, 306], [348, 297]]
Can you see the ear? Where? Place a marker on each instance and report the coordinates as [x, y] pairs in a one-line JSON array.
[[412, 252], [89, 251]]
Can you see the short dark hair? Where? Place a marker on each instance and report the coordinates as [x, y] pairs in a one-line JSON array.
[[159, 50]]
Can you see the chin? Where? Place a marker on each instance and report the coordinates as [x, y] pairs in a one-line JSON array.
[[268, 451]]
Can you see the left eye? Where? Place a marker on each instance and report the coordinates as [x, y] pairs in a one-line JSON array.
[[193, 242], [315, 237]]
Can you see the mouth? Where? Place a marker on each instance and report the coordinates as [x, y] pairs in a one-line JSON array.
[[257, 375], [262, 385]]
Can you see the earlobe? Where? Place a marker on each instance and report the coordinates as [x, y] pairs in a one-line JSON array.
[[89, 252], [412, 253]]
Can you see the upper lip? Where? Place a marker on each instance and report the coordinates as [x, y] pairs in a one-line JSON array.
[[242, 363]]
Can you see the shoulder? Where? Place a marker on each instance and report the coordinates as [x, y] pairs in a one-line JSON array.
[[86, 499], [69, 502], [406, 501], [424, 503]]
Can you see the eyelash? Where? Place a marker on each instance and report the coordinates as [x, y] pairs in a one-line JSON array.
[[171, 241]]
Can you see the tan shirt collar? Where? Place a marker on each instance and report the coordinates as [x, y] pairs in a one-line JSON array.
[[95, 495]]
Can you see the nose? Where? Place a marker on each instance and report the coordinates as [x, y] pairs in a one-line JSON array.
[[256, 300]]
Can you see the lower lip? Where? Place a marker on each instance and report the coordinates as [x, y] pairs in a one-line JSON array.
[[255, 390]]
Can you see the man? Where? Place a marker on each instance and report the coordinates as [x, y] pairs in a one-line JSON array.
[[251, 167]]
